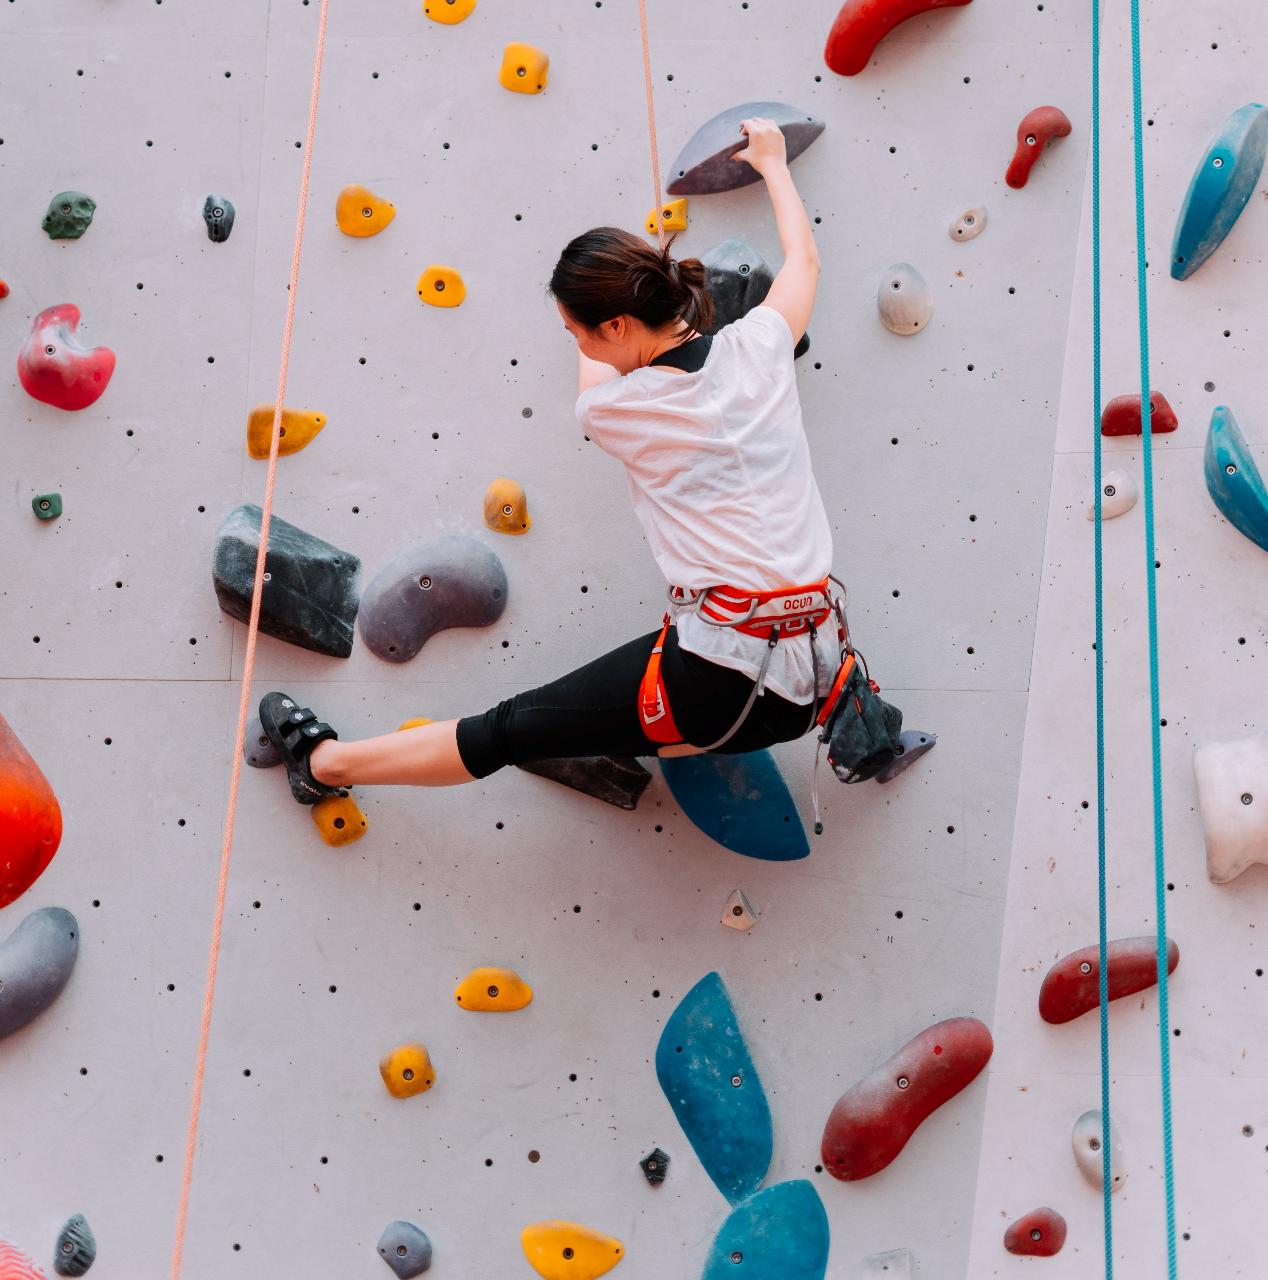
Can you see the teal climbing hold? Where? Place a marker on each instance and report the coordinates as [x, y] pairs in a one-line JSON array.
[[1223, 183], [741, 801], [76, 1248], [47, 506], [779, 1234], [705, 1070], [1233, 479]]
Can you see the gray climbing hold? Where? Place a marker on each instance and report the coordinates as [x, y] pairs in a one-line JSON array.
[[76, 1248], [618, 780], [737, 279], [218, 215], [1086, 1140], [257, 750], [310, 586], [704, 166], [449, 581], [35, 964], [904, 300], [893, 1264], [405, 1248], [68, 216], [912, 744], [738, 913], [970, 224], [655, 1165]]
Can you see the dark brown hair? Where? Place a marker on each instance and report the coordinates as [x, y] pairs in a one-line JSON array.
[[607, 272]]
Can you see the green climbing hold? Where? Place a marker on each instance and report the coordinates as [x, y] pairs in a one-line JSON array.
[[47, 506], [68, 216]]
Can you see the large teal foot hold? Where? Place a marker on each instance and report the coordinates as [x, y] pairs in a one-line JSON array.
[[1223, 183], [741, 801], [1233, 479], [780, 1234], [704, 1067]]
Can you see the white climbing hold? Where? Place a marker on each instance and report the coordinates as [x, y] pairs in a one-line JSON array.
[[1118, 494], [904, 300], [1085, 1139], [894, 1264], [1233, 797], [738, 912], [970, 224]]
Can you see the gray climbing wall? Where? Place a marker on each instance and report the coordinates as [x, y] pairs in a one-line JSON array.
[[1201, 63], [935, 456]]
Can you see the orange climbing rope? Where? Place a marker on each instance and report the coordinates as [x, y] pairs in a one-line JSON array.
[[253, 627], [651, 124]]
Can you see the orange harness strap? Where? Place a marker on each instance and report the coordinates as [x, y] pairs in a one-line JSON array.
[[653, 705]]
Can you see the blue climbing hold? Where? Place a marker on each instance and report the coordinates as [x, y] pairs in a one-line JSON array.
[[780, 1234], [741, 801], [1233, 480], [405, 1248], [704, 1068], [1222, 185]]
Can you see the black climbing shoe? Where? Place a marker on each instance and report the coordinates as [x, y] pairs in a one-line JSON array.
[[294, 731]]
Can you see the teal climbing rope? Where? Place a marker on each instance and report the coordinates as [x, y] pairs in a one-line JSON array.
[[1107, 1185], [1164, 1028]]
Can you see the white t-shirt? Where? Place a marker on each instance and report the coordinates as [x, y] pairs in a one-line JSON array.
[[719, 471]]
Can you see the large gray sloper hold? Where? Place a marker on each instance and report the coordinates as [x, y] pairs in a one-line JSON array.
[[35, 964], [449, 581], [737, 279], [76, 1248], [310, 589], [405, 1248], [704, 166]]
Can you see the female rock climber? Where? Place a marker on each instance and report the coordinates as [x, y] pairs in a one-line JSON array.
[[709, 430]]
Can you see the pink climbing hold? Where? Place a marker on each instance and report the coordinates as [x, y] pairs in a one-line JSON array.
[[56, 368], [1040, 1234], [871, 1123], [1033, 134], [1072, 985], [862, 24], [1121, 417], [15, 1265]]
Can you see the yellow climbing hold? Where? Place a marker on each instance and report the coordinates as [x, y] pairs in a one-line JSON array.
[[441, 287], [339, 820], [359, 212], [448, 11], [673, 217], [493, 991], [566, 1251], [523, 68], [407, 1070], [506, 507], [414, 723], [299, 426]]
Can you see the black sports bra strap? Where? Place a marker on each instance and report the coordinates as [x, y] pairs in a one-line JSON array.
[[688, 356]]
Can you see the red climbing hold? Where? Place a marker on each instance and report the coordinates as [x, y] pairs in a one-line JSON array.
[[4, 289], [30, 820], [56, 368], [15, 1265], [863, 24], [1033, 134], [1040, 1234], [1121, 417], [1072, 985], [871, 1123]]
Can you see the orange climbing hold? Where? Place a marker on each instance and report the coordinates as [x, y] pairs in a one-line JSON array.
[[414, 723], [506, 507], [1037, 129], [298, 428], [523, 68], [441, 287], [862, 24], [673, 216], [359, 212], [450, 12], [490, 990], [339, 820], [1122, 417], [30, 818], [407, 1070]]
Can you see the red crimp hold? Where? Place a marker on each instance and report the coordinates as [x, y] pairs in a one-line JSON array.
[[1033, 134], [56, 368], [1072, 985], [1040, 1234], [871, 1123], [862, 24], [1121, 417]]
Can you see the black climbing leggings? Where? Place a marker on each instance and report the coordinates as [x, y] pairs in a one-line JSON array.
[[593, 711]]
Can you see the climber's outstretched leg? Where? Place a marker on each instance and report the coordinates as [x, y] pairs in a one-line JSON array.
[[424, 756]]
